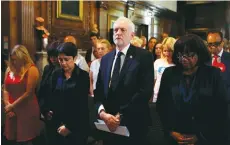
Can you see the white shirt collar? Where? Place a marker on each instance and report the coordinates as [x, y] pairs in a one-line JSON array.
[[124, 50], [221, 52]]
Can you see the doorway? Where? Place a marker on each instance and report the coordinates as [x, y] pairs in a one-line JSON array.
[[141, 30]]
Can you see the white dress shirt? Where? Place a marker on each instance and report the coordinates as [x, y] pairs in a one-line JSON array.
[[94, 68], [92, 55], [124, 51], [81, 63]]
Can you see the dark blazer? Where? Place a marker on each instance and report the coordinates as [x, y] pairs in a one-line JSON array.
[[225, 58], [88, 55], [69, 102], [208, 105], [45, 85], [133, 91]]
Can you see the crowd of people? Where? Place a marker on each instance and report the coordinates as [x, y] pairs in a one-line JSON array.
[[187, 80]]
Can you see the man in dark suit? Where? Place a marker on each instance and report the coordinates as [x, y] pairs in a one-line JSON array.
[[220, 59], [124, 87], [89, 57]]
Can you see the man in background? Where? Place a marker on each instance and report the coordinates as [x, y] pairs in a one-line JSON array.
[[220, 59], [89, 57], [164, 35]]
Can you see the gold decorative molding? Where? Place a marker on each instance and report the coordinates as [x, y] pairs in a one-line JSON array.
[[111, 20], [63, 15]]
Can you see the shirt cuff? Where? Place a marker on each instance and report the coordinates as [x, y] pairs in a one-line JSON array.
[[100, 108]]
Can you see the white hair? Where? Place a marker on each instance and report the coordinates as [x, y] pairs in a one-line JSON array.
[[136, 41], [130, 23]]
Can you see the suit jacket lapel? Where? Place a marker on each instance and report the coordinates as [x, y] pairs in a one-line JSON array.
[[223, 57], [108, 70], [128, 61]]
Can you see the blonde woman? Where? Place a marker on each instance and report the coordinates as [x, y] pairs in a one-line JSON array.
[[136, 41], [103, 47], [21, 106], [162, 63]]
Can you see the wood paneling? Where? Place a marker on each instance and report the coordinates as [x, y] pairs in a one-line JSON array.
[[22, 17], [207, 15], [109, 11], [5, 20], [14, 23], [79, 29]]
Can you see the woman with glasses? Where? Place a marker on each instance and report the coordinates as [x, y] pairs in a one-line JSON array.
[[191, 101], [68, 103]]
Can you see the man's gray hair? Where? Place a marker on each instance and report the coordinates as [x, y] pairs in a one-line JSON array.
[[131, 24]]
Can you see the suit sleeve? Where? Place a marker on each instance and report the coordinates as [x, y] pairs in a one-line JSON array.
[[219, 133], [164, 100], [40, 88], [42, 94], [145, 84], [98, 92]]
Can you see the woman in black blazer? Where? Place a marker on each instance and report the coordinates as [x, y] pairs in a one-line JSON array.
[[68, 104], [47, 73], [192, 98]]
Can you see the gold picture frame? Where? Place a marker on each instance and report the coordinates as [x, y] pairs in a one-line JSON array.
[[111, 20], [66, 10]]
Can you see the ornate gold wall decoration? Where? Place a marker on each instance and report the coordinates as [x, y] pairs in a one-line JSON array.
[[72, 10]]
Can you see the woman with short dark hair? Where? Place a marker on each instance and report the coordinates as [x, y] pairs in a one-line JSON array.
[[47, 73], [68, 104], [191, 100]]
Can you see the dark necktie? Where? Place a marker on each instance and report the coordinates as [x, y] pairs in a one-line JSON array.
[[116, 71]]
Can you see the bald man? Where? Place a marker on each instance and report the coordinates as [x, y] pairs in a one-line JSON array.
[[80, 61], [70, 39]]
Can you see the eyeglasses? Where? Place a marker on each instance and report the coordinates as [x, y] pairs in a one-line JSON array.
[[123, 30], [215, 44], [180, 56]]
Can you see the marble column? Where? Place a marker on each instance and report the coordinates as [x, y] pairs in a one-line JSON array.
[[41, 61]]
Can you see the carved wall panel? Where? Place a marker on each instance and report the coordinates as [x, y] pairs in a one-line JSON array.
[[79, 29]]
